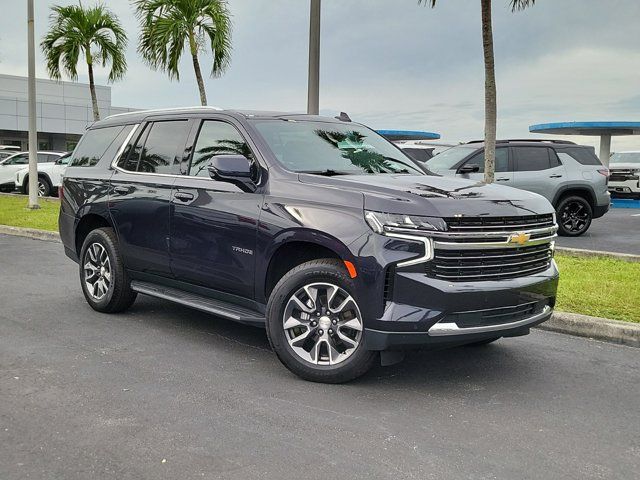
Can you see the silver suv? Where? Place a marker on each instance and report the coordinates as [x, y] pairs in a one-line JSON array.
[[570, 176]]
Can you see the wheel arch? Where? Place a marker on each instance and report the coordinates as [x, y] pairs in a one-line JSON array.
[[298, 248], [86, 224], [584, 191]]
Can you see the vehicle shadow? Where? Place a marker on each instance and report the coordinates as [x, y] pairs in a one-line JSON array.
[[502, 361]]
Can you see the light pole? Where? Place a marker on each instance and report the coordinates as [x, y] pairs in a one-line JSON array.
[[33, 134], [313, 89]]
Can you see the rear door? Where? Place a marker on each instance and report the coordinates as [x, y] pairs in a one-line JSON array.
[[214, 223], [538, 170], [503, 174], [140, 195]]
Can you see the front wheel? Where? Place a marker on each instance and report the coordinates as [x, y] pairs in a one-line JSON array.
[[315, 326], [44, 188], [574, 215]]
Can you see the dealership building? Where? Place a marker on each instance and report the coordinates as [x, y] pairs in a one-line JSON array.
[[63, 112]]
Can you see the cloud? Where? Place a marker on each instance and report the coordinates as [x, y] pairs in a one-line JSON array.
[[398, 65]]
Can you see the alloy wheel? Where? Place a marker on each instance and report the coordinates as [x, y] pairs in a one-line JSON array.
[[97, 271], [322, 324], [41, 189], [574, 217]]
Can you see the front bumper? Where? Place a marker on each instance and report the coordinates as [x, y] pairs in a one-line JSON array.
[[426, 311], [627, 186]]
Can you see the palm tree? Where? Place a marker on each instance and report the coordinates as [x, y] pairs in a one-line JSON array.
[[95, 33], [490, 109], [167, 25]]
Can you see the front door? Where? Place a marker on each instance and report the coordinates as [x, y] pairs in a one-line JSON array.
[[503, 172], [214, 223], [140, 195]]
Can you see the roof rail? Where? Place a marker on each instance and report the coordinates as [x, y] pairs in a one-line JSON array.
[[154, 110], [565, 142]]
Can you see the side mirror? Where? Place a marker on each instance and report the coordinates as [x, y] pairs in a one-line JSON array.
[[469, 169], [236, 169]]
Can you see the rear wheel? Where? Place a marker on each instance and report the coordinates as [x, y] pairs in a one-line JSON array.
[[315, 326], [103, 278], [574, 215], [44, 187]]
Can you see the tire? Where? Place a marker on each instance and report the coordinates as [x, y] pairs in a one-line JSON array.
[[44, 187], [112, 293], [481, 343], [330, 357], [574, 215]]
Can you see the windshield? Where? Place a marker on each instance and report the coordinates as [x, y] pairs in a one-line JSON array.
[[448, 159], [332, 148], [625, 157]]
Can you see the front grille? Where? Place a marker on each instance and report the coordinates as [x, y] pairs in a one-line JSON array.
[[492, 224], [483, 248], [489, 264], [623, 175]]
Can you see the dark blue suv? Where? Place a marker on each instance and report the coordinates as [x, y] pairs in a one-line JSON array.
[[318, 229]]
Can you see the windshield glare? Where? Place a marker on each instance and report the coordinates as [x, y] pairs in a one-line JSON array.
[[625, 157], [332, 148], [448, 159]]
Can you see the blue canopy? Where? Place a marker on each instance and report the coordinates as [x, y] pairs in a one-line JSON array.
[[588, 128], [408, 135]]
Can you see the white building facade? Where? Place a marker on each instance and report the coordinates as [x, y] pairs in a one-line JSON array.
[[63, 111]]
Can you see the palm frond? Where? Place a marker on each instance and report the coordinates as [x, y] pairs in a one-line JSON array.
[[521, 4]]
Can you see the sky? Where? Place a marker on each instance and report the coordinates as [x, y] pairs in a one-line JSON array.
[[393, 64]]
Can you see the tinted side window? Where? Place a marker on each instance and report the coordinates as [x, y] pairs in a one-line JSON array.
[[94, 144], [585, 156], [502, 160], [531, 159], [44, 158], [22, 159], [164, 147], [420, 154], [216, 138]]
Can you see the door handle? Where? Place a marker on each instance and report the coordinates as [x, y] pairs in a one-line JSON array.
[[555, 176], [502, 179], [183, 196], [120, 190]]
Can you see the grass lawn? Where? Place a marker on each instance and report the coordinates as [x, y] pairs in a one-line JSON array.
[[599, 286], [596, 286], [14, 212]]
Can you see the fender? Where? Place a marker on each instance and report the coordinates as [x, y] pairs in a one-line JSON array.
[[581, 187]]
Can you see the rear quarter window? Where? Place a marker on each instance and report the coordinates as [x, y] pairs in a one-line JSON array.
[[582, 155], [97, 144]]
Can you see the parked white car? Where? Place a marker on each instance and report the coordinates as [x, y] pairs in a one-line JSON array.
[[624, 168], [49, 174]]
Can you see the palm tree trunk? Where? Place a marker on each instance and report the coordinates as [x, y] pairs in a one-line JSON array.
[[490, 108], [92, 88], [196, 68]]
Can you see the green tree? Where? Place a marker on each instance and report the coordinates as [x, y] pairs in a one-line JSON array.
[[93, 32], [167, 26], [490, 103]]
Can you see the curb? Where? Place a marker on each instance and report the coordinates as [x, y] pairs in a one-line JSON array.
[[613, 331], [580, 252], [30, 233]]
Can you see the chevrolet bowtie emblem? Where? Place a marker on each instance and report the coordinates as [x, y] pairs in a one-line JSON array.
[[519, 237]]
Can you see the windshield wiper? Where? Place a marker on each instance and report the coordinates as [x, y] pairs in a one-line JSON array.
[[327, 173]]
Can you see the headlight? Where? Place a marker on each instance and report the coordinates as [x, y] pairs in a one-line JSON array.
[[413, 228], [391, 222]]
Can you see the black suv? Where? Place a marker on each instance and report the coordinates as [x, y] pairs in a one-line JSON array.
[[317, 228]]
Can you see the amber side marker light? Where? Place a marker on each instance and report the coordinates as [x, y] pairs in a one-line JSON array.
[[351, 269]]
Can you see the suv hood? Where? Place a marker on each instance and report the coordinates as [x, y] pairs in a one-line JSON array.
[[436, 196]]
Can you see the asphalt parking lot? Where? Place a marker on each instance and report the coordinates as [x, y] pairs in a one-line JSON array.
[[617, 231], [167, 392]]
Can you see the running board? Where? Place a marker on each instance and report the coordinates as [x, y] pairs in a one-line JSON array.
[[198, 302]]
